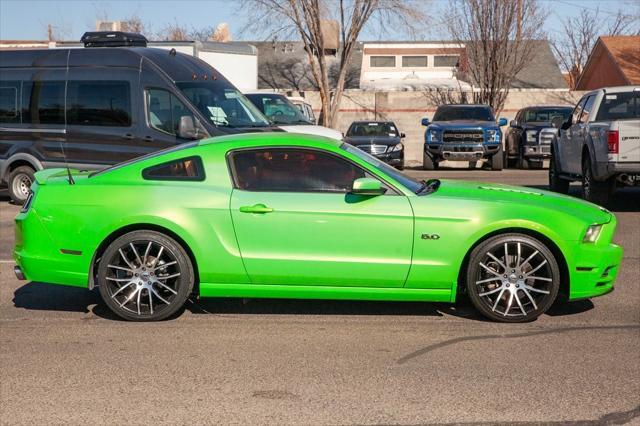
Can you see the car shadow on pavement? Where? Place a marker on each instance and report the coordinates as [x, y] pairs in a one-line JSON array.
[[48, 297]]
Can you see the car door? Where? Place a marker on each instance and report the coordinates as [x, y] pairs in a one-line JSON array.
[[566, 149], [579, 133], [297, 224]]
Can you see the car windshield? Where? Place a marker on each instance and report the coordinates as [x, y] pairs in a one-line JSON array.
[[545, 115], [408, 182], [464, 113], [619, 106], [223, 105], [373, 129], [278, 108]]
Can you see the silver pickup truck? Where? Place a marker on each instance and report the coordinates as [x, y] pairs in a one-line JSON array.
[[599, 144]]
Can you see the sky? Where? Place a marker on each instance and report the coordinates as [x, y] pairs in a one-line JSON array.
[[28, 20]]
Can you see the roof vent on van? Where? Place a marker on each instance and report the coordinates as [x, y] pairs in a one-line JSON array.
[[113, 39]]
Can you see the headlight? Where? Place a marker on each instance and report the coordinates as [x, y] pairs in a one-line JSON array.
[[493, 135], [434, 136], [592, 234], [397, 148], [532, 136]]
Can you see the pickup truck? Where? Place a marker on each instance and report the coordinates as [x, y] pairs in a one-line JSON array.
[[599, 144], [463, 133]]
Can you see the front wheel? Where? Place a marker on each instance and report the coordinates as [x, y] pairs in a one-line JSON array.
[[145, 276], [428, 163], [512, 278], [496, 161], [556, 183]]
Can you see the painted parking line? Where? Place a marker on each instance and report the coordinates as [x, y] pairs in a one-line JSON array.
[[7, 261]]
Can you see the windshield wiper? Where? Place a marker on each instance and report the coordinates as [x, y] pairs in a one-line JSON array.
[[428, 186]]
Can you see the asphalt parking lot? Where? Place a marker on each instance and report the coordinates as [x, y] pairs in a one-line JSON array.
[[65, 359]]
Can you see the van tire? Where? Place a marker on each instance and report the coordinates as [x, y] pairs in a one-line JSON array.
[[19, 182]]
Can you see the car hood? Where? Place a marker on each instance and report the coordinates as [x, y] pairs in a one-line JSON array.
[[463, 124], [498, 193], [310, 129], [378, 140]]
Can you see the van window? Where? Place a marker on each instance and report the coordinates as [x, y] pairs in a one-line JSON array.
[[9, 102], [43, 102], [164, 111], [99, 103]]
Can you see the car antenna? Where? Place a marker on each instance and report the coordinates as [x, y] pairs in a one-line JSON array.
[[66, 163]]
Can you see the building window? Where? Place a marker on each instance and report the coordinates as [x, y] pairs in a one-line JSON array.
[[447, 61], [414, 61], [383, 61]]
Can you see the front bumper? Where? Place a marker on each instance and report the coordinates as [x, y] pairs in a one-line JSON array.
[[537, 151], [595, 271], [462, 151], [395, 158]]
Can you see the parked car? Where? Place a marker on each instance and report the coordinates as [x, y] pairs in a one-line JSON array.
[[599, 144], [528, 140], [463, 132], [291, 216], [305, 107], [382, 139], [282, 113], [108, 102]]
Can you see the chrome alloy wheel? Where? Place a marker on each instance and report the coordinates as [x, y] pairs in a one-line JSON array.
[[21, 184], [143, 278], [514, 280]]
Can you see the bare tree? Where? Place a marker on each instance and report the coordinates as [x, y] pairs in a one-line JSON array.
[[313, 20], [499, 38], [579, 35]]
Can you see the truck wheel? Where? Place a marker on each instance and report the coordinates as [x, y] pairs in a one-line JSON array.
[[427, 162], [523, 163], [20, 180], [556, 183], [496, 161], [594, 191]]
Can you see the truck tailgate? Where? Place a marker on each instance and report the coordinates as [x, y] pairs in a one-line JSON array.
[[629, 142]]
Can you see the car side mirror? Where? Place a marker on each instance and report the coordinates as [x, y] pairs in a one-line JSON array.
[[188, 128], [514, 123], [367, 186], [566, 124], [502, 122], [557, 122], [402, 136], [425, 121]]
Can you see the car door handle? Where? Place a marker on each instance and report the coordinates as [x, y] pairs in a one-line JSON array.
[[256, 208], [148, 139], [128, 136]]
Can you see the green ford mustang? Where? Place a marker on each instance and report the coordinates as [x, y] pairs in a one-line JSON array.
[[295, 216]]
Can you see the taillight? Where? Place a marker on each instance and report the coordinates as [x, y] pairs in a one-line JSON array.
[[612, 141]]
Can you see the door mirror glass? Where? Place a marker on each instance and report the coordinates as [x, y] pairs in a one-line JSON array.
[[425, 121], [402, 136], [367, 186], [189, 129], [502, 122]]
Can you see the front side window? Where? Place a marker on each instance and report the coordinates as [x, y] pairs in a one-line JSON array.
[[164, 111], [575, 115], [99, 103], [414, 61], [619, 106], [9, 102], [222, 104], [187, 169], [292, 170], [278, 108], [382, 61], [584, 117]]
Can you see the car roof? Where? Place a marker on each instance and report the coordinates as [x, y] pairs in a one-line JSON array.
[[547, 107], [246, 140], [371, 121]]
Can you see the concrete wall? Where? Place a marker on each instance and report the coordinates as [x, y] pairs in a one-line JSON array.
[[406, 109]]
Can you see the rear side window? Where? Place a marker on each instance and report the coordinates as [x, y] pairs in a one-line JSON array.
[[10, 102], [99, 103], [187, 169], [292, 170], [619, 106], [43, 102], [164, 111]]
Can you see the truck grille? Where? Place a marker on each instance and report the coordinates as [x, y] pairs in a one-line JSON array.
[[373, 149], [474, 136], [546, 136]]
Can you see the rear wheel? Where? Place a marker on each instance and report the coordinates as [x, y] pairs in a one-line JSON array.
[[19, 182], [145, 276], [592, 190], [512, 278]]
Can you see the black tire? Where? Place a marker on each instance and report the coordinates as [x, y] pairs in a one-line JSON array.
[[427, 162], [144, 271], [496, 161], [536, 164], [19, 182], [557, 183], [511, 295], [523, 163], [597, 192]]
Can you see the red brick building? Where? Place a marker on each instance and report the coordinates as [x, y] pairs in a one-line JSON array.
[[614, 61]]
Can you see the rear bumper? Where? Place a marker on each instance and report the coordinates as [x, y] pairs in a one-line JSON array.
[[462, 151], [605, 169]]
